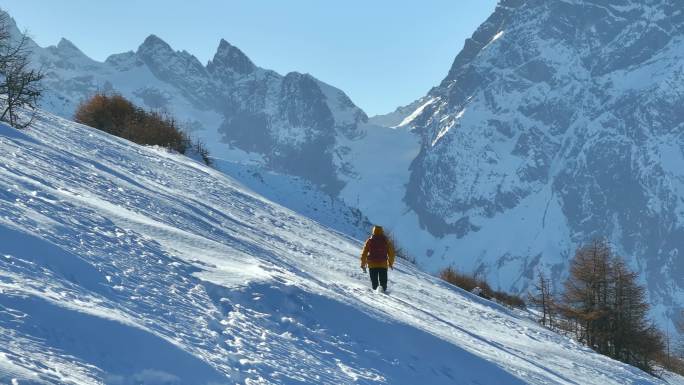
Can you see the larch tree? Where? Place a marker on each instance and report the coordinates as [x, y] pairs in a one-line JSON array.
[[604, 298], [543, 299]]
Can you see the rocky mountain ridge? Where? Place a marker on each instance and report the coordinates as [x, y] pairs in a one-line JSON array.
[[293, 121], [559, 122]]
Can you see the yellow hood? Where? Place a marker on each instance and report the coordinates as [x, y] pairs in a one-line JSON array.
[[377, 230]]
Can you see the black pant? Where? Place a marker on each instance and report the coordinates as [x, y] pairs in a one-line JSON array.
[[378, 273]]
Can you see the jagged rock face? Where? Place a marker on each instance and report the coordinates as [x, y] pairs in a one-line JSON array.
[[229, 60], [294, 122], [298, 136], [583, 99], [181, 69]]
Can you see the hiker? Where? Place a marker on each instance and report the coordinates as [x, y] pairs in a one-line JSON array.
[[378, 255]]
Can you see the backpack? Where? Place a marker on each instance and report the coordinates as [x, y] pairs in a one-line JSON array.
[[377, 248]]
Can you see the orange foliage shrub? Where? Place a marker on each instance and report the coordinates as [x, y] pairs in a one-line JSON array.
[[118, 116]]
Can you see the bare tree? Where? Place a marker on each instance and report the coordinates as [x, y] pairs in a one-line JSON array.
[[543, 299], [19, 83]]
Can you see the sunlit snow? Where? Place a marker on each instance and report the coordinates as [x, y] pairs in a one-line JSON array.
[[124, 264]]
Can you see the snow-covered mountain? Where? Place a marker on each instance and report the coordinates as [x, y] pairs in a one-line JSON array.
[[286, 129], [122, 264], [294, 121], [401, 116], [560, 121]]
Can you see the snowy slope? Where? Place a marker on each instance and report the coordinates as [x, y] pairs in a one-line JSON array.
[[399, 115], [299, 195], [559, 121], [123, 264]]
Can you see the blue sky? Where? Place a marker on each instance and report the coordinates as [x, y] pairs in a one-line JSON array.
[[382, 53]]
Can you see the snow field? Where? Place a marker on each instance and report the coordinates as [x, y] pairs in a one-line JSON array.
[[122, 264]]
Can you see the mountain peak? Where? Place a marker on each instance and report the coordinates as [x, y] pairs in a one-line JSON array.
[[230, 57], [603, 70], [67, 46], [154, 43], [10, 23], [224, 44], [11, 27]]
